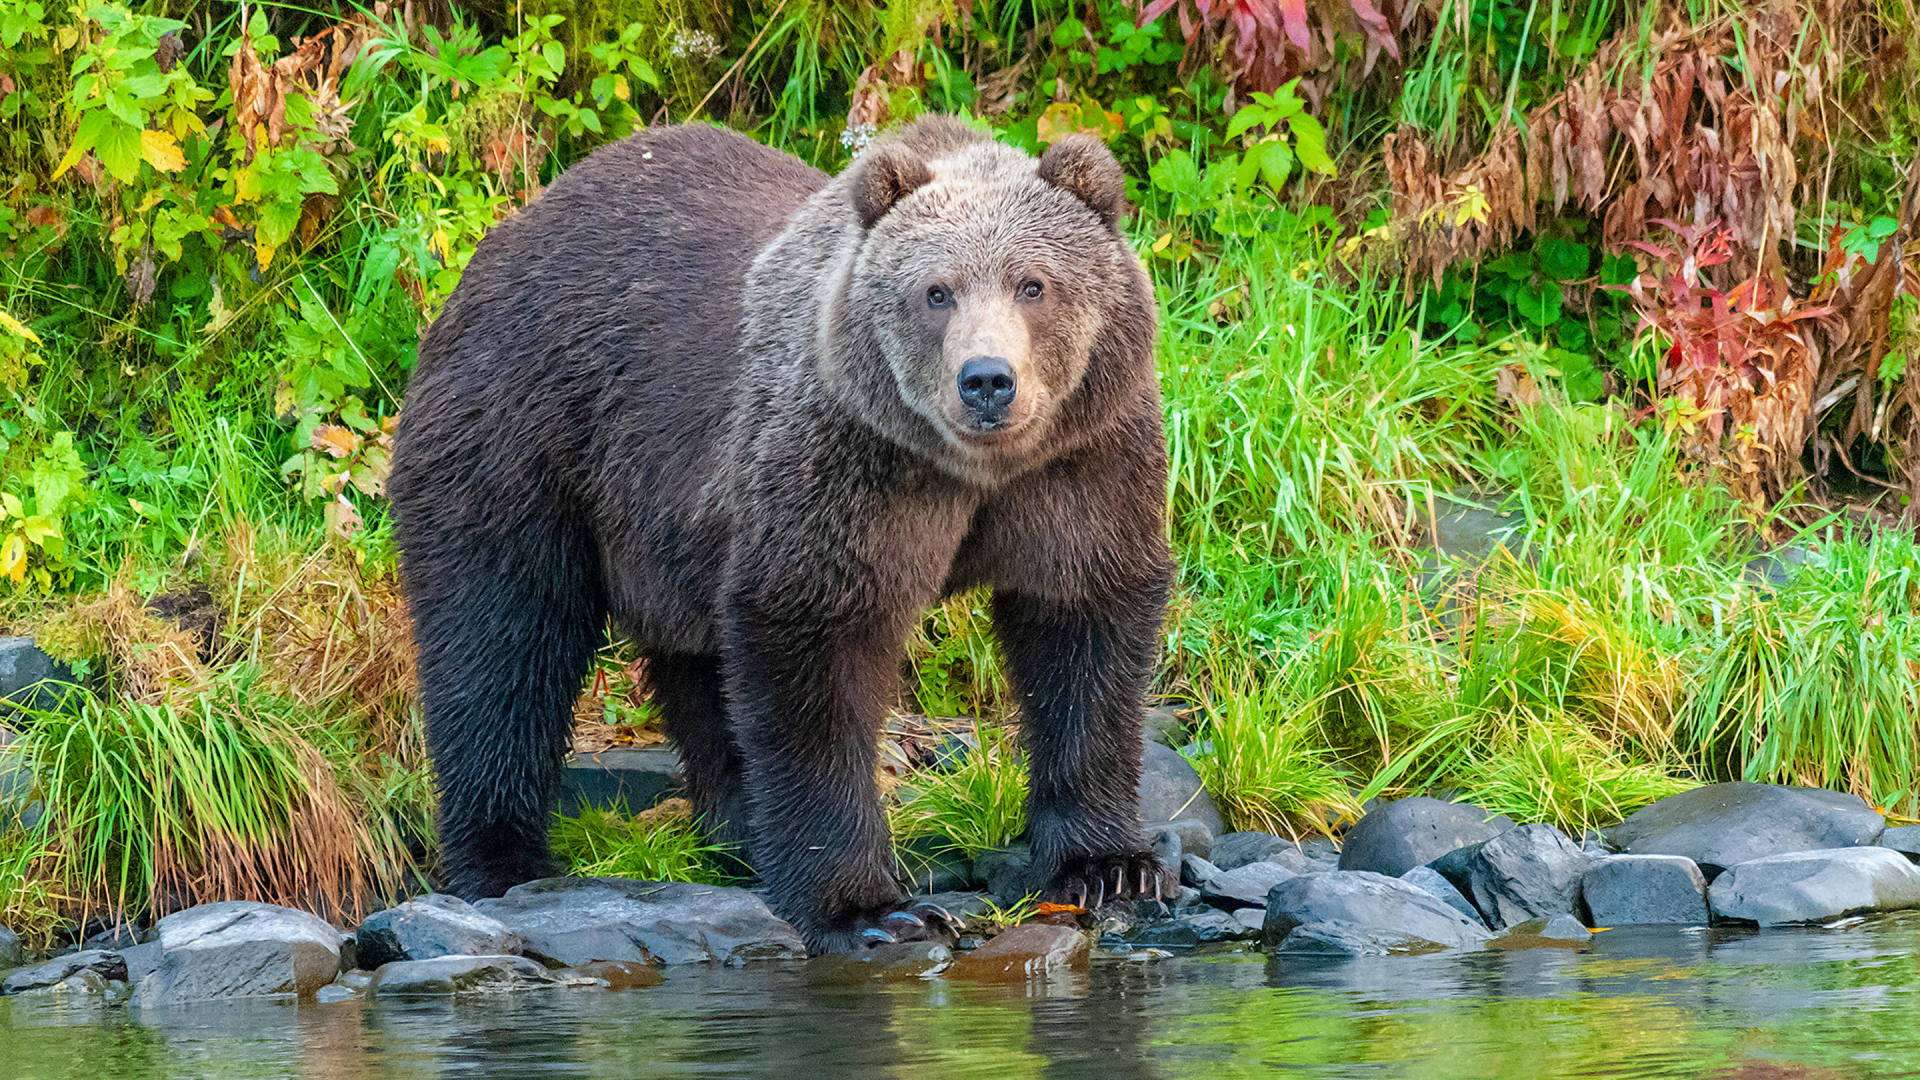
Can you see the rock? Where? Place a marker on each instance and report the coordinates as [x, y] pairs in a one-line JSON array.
[[932, 864], [1531, 872], [1122, 918], [237, 948], [29, 676], [1336, 939], [1026, 951], [1380, 906], [429, 926], [1235, 850], [1801, 886], [1321, 852], [1200, 928], [1165, 841], [1720, 825], [334, 993], [574, 921], [1430, 881], [13, 951], [893, 962], [1395, 837], [630, 779], [1905, 840], [1246, 886], [1163, 726], [1594, 842], [1622, 890], [107, 966], [1557, 932], [1253, 919], [1170, 790], [114, 937], [1004, 872], [1196, 871], [1186, 898], [460, 975], [142, 960], [621, 974], [1194, 836]]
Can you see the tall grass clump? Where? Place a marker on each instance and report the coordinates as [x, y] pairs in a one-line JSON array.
[[662, 844], [976, 805], [1815, 683], [230, 792], [1263, 757]]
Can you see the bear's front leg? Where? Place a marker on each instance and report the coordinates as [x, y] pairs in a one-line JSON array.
[[1080, 670]]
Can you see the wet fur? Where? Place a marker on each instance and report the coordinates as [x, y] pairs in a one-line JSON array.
[[666, 394]]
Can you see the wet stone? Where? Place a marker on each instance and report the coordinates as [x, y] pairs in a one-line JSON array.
[[574, 921], [1170, 790], [1387, 907], [621, 974], [1003, 871], [1337, 939], [1532, 872], [1395, 837], [1246, 886], [13, 951], [334, 993], [142, 960], [1199, 928], [240, 949], [460, 975], [429, 926], [1623, 890], [1235, 850], [1558, 932], [1805, 886], [107, 966], [1429, 880], [1196, 871], [893, 962], [1192, 835], [1025, 952], [1123, 917], [1722, 825]]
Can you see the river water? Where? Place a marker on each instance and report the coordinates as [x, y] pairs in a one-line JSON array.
[[1638, 1002]]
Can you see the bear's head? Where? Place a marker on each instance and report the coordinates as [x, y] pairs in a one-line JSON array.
[[992, 295]]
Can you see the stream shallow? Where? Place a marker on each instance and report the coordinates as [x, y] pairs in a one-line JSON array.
[[1638, 1002]]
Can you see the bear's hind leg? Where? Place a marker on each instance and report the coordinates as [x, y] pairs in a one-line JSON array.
[[687, 691], [506, 629]]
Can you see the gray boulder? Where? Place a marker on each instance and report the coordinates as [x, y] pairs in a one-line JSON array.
[[1196, 871], [1557, 932], [459, 975], [1905, 840], [1622, 890], [1721, 825], [13, 951], [625, 778], [573, 921], [1802, 886], [1430, 881], [1531, 872], [1338, 939], [1201, 927], [107, 965], [1234, 850], [1395, 837], [1004, 872], [1245, 886], [429, 926], [1170, 790], [29, 676], [1382, 906], [237, 948], [1190, 836]]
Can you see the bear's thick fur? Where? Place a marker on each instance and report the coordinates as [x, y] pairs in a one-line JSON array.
[[763, 418]]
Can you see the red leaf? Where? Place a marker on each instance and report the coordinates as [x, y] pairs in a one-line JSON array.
[[1294, 14]]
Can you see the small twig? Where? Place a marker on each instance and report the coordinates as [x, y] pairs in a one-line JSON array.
[[736, 64]]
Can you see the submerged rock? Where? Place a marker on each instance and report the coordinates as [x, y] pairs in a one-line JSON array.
[[1245, 886], [236, 948], [901, 961], [107, 966], [429, 926], [1429, 880], [1531, 872], [1339, 939], [621, 974], [574, 921], [1802, 886], [1622, 890], [1024, 952], [1395, 837], [1388, 910], [13, 951], [460, 975], [1558, 932], [1722, 825], [1170, 790]]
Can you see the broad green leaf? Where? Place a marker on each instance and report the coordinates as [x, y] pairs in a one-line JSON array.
[[1562, 260], [1310, 141], [121, 151], [1540, 306], [1276, 162]]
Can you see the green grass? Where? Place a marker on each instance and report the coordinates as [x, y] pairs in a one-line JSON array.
[[975, 805], [649, 847]]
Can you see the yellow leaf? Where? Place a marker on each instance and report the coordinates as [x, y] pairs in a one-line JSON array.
[[17, 328], [336, 440], [162, 151], [264, 253], [13, 559]]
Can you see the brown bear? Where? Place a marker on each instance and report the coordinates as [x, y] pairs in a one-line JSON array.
[[762, 418]]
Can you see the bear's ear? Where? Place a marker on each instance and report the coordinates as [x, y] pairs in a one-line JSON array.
[[1082, 166], [887, 173]]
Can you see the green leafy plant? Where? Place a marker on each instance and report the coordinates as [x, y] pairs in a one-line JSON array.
[[33, 516], [653, 846], [1270, 155]]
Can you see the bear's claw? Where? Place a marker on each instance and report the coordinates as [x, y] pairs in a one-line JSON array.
[[1089, 883], [918, 922]]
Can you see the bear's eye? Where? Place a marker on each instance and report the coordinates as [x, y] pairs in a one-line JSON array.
[[1030, 290], [938, 296]]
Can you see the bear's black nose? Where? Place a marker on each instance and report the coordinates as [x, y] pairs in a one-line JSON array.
[[987, 387]]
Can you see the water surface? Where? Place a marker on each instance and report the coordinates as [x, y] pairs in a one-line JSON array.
[[1822, 1004]]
